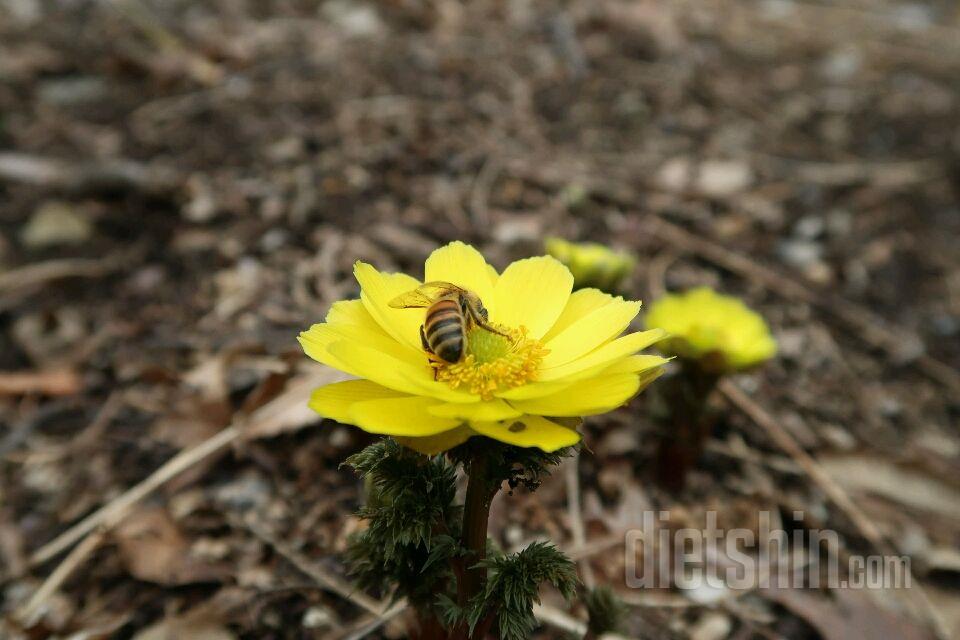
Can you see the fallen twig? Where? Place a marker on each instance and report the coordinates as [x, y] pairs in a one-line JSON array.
[[571, 470], [324, 578], [262, 421], [110, 514], [59, 382], [368, 624], [556, 618], [40, 273], [917, 595], [28, 612], [87, 176]]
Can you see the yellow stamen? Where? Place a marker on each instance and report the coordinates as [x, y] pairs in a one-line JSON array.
[[494, 362]]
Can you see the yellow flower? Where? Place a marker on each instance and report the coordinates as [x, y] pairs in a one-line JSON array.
[[592, 265], [719, 331], [562, 357]]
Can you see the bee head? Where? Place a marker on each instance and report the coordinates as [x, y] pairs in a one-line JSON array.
[[471, 302]]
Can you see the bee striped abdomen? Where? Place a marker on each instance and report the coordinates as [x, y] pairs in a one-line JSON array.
[[443, 328]]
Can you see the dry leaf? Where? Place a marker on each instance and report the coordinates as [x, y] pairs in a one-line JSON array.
[[153, 549], [205, 621], [850, 615], [889, 480], [209, 377], [289, 411], [183, 628]]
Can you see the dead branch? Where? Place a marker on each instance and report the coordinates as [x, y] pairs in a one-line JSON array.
[[59, 382], [263, 421], [916, 597], [571, 470], [40, 273], [87, 176], [33, 607], [318, 574]]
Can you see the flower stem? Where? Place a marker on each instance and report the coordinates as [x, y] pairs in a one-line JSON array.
[[687, 394], [476, 514]]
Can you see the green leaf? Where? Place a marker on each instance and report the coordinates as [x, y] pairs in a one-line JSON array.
[[513, 586], [605, 610], [413, 525]]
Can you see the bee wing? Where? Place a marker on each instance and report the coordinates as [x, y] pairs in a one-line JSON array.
[[424, 295], [411, 300], [439, 288]]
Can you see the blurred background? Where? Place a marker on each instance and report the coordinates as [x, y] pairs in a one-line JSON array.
[[185, 186]]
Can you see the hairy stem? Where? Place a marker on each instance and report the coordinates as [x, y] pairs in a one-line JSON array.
[[687, 395], [430, 627], [476, 514]]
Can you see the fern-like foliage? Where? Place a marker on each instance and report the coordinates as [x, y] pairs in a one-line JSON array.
[[605, 610], [517, 466], [414, 527], [412, 546], [513, 586]]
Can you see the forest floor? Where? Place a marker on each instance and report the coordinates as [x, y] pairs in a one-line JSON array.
[[185, 186]]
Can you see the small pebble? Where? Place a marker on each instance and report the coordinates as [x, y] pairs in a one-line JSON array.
[[316, 618], [809, 227], [55, 223]]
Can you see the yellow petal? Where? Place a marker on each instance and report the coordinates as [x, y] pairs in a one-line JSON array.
[[432, 445], [352, 312], [580, 304], [629, 364], [534, 390], [646, 377], [327, 333], [529, 431], [637, 364], [532, 293], [589, 397], [343, 313], [490, 410], [377, 290], [406, 416], [462, 265], [316, 342], [603, 355], [589, 332], [334, 400], [366, 362]]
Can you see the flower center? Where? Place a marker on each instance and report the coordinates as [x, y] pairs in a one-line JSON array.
[[494, 362]]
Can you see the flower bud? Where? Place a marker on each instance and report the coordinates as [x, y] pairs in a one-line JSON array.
[[592, 265], [720, 333]]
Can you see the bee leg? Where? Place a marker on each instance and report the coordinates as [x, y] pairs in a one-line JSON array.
[[483, 323], [435, 364]]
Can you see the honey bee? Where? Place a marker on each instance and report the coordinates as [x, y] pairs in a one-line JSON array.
[[451, 312]]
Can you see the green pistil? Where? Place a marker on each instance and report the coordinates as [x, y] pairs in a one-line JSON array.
[[486, 346]]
